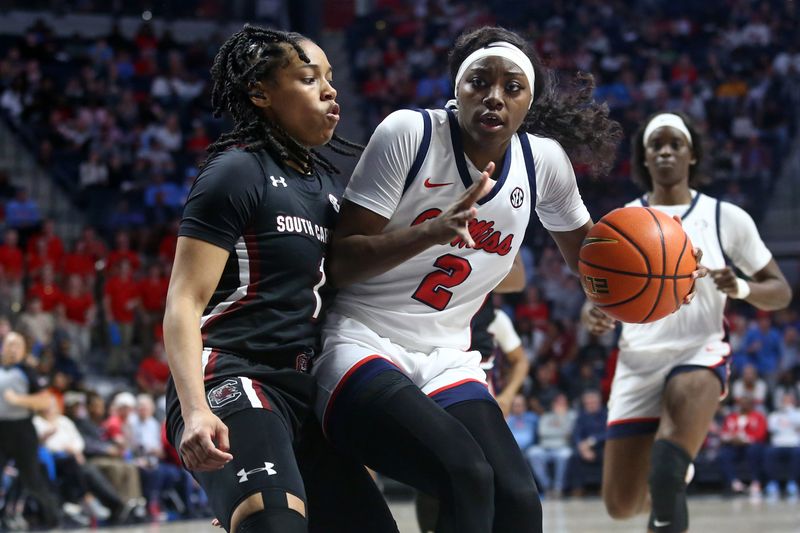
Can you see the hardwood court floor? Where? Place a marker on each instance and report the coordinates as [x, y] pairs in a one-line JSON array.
[[708, 515]]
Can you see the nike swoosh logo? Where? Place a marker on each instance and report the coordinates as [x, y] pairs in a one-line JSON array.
[[659, 523], [430, 185]]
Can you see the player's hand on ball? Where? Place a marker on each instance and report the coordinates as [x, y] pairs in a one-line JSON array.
[[596, 321], [204, 446], [454, 222], [701, 272]]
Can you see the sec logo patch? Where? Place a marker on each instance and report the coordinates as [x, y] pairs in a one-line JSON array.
[[517, 197]]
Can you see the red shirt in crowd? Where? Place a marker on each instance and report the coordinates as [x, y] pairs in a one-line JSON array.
[[122, 294], [11, 259], [749, 427], [53, 246], [36, 262], [153, 293], [77, 307], [77, 263], [49, 293], [118, 255], [153, 371]]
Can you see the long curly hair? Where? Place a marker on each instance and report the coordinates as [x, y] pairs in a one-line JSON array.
[[639, 173], [249, 56], [581, 125]]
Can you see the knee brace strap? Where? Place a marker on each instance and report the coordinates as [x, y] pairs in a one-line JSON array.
[[668, 467]]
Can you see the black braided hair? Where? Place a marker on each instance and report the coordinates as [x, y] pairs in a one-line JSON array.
[[251, 55], [581, 125], [639, 173]]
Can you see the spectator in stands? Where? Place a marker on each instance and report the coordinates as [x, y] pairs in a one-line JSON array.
[[522, 423], [37, 324], [91, 245], [46, 289], [106, 455], [153, 291], [790, 351], [153, 371], [145, 433], [762, 345], [11, 260], [23, 214], [80, 263], [116, 425], [533, 308], [53, 245], [588, 440], [78, 313], [744, 433], [81, 482], [554, 447], [123, 251], [544, 388], [784, 429], [750, 385], [120, 303], [36, 259], [93, 175]]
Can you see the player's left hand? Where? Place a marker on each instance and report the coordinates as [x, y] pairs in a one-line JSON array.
[[725, 280], [701, 272]]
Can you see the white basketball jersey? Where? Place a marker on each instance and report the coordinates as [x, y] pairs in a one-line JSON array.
[[413, 169], [727, 235]]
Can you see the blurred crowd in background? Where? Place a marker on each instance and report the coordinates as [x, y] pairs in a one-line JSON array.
[[122, 125]]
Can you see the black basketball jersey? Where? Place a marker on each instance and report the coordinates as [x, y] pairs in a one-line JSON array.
[[482, 340], [276, 222]]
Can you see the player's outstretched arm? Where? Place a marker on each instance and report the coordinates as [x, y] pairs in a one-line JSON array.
[[195, 274], [767, 290], [569, 243], [361, 250]]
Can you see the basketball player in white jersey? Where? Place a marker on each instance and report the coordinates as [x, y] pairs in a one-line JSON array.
[[415, 257], [672, 373]]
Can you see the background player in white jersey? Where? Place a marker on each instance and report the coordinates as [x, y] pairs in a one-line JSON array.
[[671, 374], [415, 258]]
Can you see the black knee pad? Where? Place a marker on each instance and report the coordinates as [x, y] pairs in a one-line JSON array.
[[273, 520], [668, 467]]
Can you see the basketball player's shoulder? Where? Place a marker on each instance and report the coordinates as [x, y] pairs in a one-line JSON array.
[[245, 166], [549, 156], [410, 120]]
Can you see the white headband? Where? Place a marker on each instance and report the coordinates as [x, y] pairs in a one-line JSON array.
[[666, 119], [504, 50]]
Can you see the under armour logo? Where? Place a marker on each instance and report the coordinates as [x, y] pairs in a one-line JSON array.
[[280, 180], [334, 202], [243, 475]]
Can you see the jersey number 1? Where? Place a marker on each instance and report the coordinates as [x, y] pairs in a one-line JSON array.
[[453, 270]]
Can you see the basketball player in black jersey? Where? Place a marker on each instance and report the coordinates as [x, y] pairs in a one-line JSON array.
[[246, 294]]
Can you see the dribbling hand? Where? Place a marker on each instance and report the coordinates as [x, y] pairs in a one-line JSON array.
[[454, 221], [204, 446]]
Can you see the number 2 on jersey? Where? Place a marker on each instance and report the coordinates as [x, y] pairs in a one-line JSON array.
[[453, 270]]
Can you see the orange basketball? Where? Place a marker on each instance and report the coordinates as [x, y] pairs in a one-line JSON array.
[[636, 264]]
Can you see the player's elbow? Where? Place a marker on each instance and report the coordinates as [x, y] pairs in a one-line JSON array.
[[786, 297]]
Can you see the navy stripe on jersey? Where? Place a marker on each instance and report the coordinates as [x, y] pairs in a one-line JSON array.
[[693, 203], [422, 151], [461, 162], [718, 217], [527, 154]]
